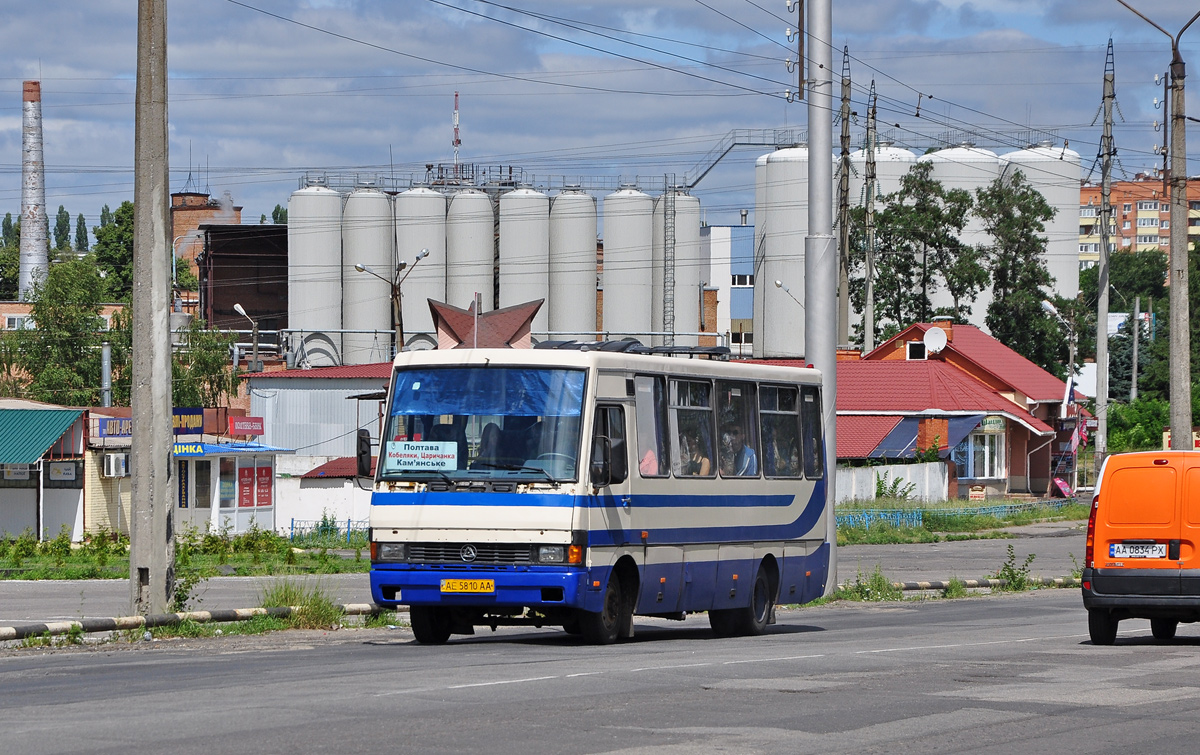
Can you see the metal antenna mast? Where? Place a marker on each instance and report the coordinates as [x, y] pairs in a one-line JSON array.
[[1106, 153], [844, 209], [869, 307], [457, 142]]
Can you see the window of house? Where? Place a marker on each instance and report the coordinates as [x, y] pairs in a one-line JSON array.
[[1147, 222], [650, 408], [19, 322], [980, 456], [1144, 205], [227, 493], [741, 337], [1194, 205], [739, 449], [1126, 207], [1125, 225], [1147, 239], [743, 280], [1126, 241], [203, 484], [1165, 224], [1087, 211]]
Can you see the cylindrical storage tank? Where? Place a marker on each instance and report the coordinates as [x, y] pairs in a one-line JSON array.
[[525, 253], [1054, 172], [969, 168], [421, 225], [368, 239], [470, 249], [760, 201], [778, 320], [572, 312], [686, 295], [628, 241], [891, 165], [314, 233]]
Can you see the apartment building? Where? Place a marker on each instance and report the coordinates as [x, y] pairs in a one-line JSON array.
[[1141, 217]]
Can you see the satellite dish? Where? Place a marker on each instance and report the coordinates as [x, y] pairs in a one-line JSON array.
[[935, 340]]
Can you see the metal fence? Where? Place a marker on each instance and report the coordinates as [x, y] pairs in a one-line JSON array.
[[916, 517], [329, 532]]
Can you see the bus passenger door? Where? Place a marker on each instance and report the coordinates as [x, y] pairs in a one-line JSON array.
[[613, 507]]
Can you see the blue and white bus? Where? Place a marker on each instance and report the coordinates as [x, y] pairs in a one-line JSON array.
[[580, 486]]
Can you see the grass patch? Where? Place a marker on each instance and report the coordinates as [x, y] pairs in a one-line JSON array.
[[872, 587], [313, 609], [1016, 578], [955, 589], [945, 520], [884, 533]]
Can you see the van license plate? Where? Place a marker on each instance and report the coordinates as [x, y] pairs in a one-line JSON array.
[[485, 586], [1137, 550]]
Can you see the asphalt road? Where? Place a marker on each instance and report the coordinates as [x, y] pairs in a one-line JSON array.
[[1052, 544], [985, 674]]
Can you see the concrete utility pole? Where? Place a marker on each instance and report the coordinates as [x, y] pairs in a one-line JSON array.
[[869, 183], [1180, 347], [34, 244], [1106, 153], [820, 247], [151, 535], [844, 209], [1137, 335]]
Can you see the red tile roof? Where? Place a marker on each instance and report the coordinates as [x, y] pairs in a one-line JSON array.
[[915, 387], [345, 466], [859, 435], [380, 370]]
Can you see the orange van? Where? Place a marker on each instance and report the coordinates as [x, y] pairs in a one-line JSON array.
[[1141, 560]]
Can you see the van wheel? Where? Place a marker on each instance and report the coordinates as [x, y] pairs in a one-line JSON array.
[[1102, 627], [430, 624], [1163, 629], [601, 627]]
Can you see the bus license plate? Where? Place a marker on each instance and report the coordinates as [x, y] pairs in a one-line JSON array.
[[1137, 550], [469, 585]]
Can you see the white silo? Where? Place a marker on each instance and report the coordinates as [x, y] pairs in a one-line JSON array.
[[687, 276], [368, 239], [572, 311], [891, 165], [525, 253], [1054, 172], [315, 275], [778, 319], [421, 225], [969, 168], [628, 240], [470, 249]]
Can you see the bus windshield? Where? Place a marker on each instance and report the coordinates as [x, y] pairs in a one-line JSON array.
[[497, 423]]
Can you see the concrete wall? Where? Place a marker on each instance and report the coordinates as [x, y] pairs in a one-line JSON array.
[[858, 483], [310, 500]]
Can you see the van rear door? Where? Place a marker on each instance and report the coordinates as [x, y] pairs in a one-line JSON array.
[[1138, 539], [1189, 556]]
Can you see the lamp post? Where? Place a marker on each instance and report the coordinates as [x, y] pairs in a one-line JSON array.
[[1180, 350], [1067, 395], [788, 291], [397, 295], [255, 365]]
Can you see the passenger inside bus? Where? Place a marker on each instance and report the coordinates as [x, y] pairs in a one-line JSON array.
[[695, 461], [743, 462]]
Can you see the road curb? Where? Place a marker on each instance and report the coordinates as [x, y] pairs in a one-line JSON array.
[[978, 583], [88, 626]]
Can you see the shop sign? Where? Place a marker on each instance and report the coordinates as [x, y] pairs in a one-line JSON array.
[[262, 485], [183, 484], [189, 449], [977, 493], [115, 427], [245, 486], [187, 421], [246, 426], [16, 471], [62, 471], [992, 425]]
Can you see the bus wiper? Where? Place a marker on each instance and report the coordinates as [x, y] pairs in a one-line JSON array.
[[519, 468]]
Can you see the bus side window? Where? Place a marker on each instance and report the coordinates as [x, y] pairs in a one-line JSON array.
[[813, 438], [650, 410], [736, 410], [610, 424], [779, 412]]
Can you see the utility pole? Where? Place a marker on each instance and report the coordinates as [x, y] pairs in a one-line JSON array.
[[869, 307], [1180, 347], [844, 209], [152, 544], [820, 247], [1137, 334], [1106, 153]]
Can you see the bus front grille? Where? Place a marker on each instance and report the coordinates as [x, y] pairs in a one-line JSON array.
[[461, 553]]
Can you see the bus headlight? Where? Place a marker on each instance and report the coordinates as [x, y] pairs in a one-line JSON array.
[[389, 552], [552, 554]]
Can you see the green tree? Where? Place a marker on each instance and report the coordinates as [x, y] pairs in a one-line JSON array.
[[62, 229], [81, 234], [60, 352], [202, 372], [10, 272], [1014, 215], [106, 217], [1155, 382], [12, 378], [10, 231], [114, 253], [1137, 426], [279, 215]]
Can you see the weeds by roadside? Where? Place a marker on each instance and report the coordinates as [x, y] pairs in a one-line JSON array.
[[1016, 578], [874, 587]]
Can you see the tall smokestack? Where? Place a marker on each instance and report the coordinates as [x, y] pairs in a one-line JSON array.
[[35, 245]]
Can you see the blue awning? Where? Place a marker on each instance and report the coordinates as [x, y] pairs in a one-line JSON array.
[[960, 427]]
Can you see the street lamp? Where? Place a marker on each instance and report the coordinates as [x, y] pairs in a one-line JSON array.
[[396, 283], [1052, 310], [788, 291], [255, 365]]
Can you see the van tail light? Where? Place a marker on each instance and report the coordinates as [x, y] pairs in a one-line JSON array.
[[1089, 551]]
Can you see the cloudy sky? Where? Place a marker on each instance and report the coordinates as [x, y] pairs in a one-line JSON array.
[[262, 91]]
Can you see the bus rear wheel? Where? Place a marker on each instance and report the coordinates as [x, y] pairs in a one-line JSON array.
[[750, 620], [601, 627], [430, 624]]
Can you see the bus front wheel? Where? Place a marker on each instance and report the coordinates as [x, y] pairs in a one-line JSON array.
[[601, 627], [430, 624]]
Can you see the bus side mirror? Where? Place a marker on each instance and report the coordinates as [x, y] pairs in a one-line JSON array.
[[601, 466], [363, 457]]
